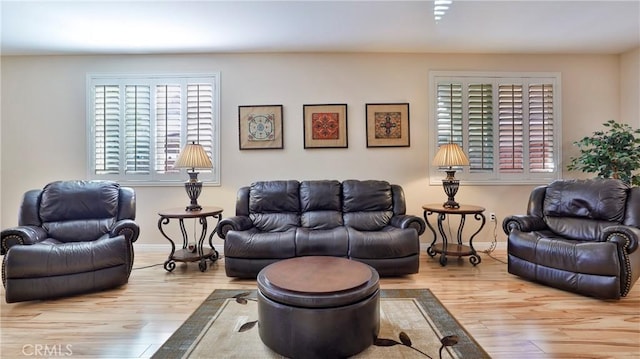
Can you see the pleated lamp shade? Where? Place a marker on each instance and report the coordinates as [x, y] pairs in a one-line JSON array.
[[193, 156], [449, 155]]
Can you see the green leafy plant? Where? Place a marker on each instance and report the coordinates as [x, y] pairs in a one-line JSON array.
[[614, 153]]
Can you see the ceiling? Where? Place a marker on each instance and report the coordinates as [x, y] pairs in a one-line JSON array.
[[165, 27]]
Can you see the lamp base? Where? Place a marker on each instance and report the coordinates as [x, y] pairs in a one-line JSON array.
[[451, 185], [193, 208], [193, 188]]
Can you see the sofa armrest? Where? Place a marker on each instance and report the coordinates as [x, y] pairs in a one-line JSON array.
[[21, 235], [625, 236], [523, 223], [126, 227], [234, 223], [408, 221]]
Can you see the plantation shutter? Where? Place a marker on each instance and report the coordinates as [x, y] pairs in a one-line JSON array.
[[137, 122], [541, 128], [480, 127], [200, 109], [168, 127], [511, 129], [107, 129], [449, 113]]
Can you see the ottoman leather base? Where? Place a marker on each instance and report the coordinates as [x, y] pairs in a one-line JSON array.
[[324, 321], [319, 332]]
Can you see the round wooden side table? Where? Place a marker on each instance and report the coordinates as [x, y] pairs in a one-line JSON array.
[[185, 254], [453, 249]]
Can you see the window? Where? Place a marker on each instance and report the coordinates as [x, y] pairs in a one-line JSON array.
[[507, 124], [139, 124]]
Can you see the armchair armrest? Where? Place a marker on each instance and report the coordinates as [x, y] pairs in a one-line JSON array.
[[235, 223], [126, 227], [624, 236], [523, 223], [21, 235], [408, 221]]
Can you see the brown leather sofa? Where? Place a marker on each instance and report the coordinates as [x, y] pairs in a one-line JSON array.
[[72, 237], [360, 220], [580, 236]]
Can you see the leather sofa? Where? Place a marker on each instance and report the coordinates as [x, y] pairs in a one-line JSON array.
[[72, 237], [360, 220], [579, 236]]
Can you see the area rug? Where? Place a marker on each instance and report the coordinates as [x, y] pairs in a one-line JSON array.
[[413, 324]]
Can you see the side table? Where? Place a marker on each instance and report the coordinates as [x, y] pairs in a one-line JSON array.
[[454, 249], [184, 254]]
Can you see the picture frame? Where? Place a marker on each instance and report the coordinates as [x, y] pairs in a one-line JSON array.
[[260, 127], [325, 126], [387, 125]]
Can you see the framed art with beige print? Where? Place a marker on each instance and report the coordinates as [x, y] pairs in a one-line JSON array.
[[325, 126], [387, 124], [260, 127]]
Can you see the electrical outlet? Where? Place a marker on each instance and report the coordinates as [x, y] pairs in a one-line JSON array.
[[492, 217]]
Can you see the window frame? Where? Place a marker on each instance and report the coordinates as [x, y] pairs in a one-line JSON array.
[[498, 78], [207, 177]]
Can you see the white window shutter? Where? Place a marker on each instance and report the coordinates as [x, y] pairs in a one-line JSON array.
[[107, 129], [168, 127], [511, 128], [449, 113], [200, 110], [137, 124], [541, 128], [480, 127]]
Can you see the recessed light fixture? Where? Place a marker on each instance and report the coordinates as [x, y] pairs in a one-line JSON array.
[[440, 8]]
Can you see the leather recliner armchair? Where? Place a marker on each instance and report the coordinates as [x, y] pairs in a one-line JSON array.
[[580, 236], [72, 237]]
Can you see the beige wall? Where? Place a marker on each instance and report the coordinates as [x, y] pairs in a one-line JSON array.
[[630, 87], [43, 120]]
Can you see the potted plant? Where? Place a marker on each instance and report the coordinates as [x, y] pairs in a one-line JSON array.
[[614, 153]]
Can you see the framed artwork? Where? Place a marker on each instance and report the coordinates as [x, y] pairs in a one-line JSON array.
[[387, 124], [325, 126], [260, 127]]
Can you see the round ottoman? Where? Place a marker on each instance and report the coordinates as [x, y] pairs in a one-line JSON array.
[[318, 307]]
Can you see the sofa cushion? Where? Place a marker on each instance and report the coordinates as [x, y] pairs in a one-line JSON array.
[[546, 249], [256, 244], [391, 242], [367, 205], [321, 204], [79, 231], [318, 242], [274, 206], [67, 258]]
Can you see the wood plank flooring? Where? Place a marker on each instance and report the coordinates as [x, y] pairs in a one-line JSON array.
[[509, 317]]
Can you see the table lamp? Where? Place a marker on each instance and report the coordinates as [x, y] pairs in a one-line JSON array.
[[450, 155], [193, 156]]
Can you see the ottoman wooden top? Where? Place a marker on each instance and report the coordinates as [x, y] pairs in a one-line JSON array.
[[317, 274]]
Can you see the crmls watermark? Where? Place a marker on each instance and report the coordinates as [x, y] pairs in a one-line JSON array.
[[47, 350]]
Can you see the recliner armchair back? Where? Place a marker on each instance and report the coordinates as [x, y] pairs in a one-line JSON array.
[[581, 210]]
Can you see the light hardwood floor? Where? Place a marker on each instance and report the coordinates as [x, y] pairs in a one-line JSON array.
[[509, 317]]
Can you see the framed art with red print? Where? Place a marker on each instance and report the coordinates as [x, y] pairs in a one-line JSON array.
[[325, 126]]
